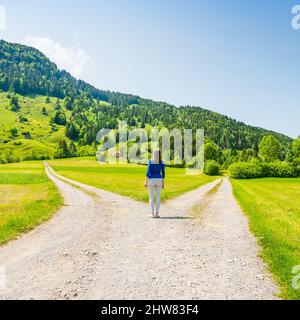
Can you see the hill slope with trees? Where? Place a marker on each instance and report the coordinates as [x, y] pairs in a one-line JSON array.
[[44, 104]]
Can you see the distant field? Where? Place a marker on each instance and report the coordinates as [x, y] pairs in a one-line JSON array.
[[127, 180], [27, 198], [273, 208]]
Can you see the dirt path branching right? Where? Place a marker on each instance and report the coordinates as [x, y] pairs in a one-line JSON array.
[[110, 249]]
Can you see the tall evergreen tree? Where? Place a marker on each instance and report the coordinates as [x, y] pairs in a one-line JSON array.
[[72, 131], [62, 150], [14, 103], [60, 118]]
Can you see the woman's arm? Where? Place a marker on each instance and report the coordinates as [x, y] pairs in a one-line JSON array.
[[163, 173], [163, 170], [148, 174]]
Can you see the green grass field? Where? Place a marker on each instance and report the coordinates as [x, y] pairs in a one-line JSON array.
[[128, 179], [27, 198], [44, 138], [273, 208]]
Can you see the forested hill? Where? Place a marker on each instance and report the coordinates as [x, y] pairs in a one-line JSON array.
[[81, 109], [25, 70]]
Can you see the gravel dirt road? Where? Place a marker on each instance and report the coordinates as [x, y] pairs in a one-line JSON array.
[[103, 246]]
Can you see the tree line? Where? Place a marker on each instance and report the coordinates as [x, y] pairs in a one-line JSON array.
[[25, 70]]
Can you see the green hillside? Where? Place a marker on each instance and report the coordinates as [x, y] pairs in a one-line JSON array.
[[29, 132], [26, 70], [40, 105]]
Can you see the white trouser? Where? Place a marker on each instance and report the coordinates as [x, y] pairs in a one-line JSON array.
[[155, 186]]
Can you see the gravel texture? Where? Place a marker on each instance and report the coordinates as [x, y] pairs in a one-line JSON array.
[[103, 246]]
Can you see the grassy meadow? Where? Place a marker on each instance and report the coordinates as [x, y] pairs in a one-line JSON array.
[[30, 119], [126, 179], [273, 208], [27, 198]]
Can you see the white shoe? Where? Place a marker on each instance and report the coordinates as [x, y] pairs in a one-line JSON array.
[[151, 215]]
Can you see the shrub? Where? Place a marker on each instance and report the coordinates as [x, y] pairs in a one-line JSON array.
[[212, 168], [10, 157], [296, 162], [13, 132], [86, 151], [22, 118], [34, 156], [296, 166], [251, 170], [282, 170], [3, 160], [174, 165], [26, 135], [245, 170]]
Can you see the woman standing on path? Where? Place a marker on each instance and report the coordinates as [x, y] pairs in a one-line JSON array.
[[155, 181]]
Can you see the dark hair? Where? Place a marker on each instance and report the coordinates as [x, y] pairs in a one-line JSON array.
[[160, 157]]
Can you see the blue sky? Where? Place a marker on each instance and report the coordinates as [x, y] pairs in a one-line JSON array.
[[239, 58]]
